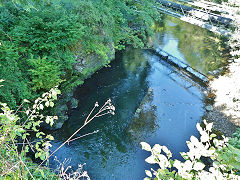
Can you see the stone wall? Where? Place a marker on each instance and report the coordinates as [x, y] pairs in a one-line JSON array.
[[67, 101]]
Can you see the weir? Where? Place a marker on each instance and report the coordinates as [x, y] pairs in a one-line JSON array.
[[185, 71]]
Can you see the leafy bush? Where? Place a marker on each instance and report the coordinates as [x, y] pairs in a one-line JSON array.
[[9, 16], [15, 85], [235, 140], [18, 137], [46, 30], [45, 74], [45, 34], [223, 158], [53, 33], [15, 140]]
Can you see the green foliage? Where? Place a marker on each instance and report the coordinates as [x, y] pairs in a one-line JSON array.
[[41, 40], [46, 30], [16, 141], [15, 85], [9, 16], [45, 34], [118, 22], [235, 140], [45, 73], [230, 155], [224, 158]]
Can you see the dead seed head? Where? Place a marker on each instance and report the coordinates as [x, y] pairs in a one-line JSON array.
[[111, 112]]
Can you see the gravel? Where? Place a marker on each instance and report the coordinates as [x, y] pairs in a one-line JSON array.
[[226, 111]]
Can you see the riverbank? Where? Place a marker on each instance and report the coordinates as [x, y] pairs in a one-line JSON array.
[[58, 44], [227, 87], [227, 91]]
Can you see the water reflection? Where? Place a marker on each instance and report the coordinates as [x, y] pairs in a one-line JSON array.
[[154, 102], [200, 48], [134, 60], [151, 105]]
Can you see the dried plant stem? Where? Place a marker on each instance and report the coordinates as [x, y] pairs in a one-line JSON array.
[[106, 106], [62, 145], [94, 132], [85, 122], [26, 168]]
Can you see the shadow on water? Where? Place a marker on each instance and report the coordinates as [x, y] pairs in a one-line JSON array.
[[154, 103]]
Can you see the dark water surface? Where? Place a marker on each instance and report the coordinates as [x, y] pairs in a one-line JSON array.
[[153, 104]]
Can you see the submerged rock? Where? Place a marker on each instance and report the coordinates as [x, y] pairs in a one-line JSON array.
[[74, 103], [143, 120], [209, 108]]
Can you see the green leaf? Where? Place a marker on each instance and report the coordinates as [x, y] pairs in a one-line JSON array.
[[151, 160], [21, 130], [50, 137], [42, 172], [51, 104], [213, 135], [147, 178], [39, 134], [148, 173], [42, 157], [26, 149], [47, 104], [58, 91], [146, 146], [54, 96]]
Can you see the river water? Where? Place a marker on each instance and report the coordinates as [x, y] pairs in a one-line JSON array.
[[154, 103]]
